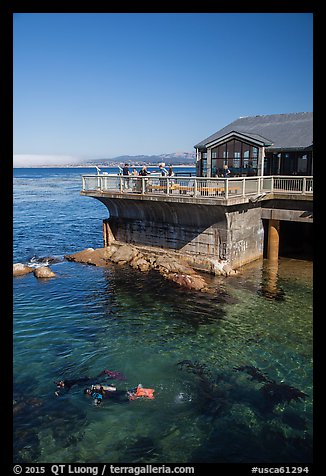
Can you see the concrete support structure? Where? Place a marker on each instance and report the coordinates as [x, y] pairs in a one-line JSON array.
[[225, 229], [233, 235], [273, 240]]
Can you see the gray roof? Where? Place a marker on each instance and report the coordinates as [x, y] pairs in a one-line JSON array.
[[283, 131]]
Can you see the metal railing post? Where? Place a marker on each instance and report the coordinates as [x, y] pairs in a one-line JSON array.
[[226, 188], [195, 188], [243, 186], [304, 185]]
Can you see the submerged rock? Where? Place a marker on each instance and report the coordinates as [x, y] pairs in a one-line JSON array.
[[194, 282], [35, 261]]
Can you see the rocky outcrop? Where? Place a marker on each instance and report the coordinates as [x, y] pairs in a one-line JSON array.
[[20, 269], [170, 267], [43, 272]]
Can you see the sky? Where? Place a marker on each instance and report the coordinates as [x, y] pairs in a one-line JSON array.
[[101, 85]]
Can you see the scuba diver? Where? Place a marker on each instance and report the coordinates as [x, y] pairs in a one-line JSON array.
[[99, 391], [67, 384]]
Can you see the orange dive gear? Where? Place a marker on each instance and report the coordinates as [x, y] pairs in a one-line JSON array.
[[143, 392]]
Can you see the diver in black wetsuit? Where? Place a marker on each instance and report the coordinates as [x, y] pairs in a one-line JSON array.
[[67, 384], [98, 392]]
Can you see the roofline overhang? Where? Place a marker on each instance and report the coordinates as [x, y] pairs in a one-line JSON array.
[[240, 135], [307, 147]]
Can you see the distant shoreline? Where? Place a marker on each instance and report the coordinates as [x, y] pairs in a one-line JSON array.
[[93, 166]]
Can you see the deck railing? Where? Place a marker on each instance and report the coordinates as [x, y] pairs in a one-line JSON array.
[[198, 186]]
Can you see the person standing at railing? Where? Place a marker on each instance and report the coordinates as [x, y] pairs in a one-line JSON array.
[[125, 173], [226, 171], [143, 171], [126, 170], [163, 173], [163, 170]]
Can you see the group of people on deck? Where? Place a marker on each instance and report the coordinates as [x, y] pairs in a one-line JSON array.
[[143, 172]]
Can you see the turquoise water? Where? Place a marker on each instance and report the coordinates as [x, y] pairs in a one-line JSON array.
[[89, 319]]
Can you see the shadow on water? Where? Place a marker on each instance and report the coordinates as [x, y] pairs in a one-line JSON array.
[[139, 450], [57, 423], [151, 291], [268, 431]]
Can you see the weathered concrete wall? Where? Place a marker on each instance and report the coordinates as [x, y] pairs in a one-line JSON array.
[[232, 234], [184, 227], [245, 235]]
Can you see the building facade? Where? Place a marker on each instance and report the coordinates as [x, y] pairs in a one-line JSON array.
[[277, 144]]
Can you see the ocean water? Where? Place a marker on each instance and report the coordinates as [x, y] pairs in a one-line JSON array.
[[249, 345]]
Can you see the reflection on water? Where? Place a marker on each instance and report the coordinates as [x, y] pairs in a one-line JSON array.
[[270, 287]]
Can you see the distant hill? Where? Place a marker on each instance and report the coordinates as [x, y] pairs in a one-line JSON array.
[[176, 158], [39, 160]]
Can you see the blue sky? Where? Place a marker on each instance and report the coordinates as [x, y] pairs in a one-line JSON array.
[[102, 85]]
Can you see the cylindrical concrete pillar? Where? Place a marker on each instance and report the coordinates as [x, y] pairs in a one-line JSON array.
[[273, 240]]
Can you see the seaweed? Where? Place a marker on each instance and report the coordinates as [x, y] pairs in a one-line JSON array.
[[254, 372], [281, 392], [273, 391]]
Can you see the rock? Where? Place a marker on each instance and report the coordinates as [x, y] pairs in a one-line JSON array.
[[81, 256], [93, 257], [195, 282], [217, 268], [20, 269], [139, 262], [168, 264], [124, 254], [44, 272], [227, 269]]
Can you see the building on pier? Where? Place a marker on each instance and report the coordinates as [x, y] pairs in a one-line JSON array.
[[275, 144], [216, 219]]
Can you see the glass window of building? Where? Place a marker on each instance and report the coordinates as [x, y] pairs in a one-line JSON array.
[[302, 164], [245, 154], [254, 157], [203, 171], [230, 149], [222, 151], [214, 167]]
